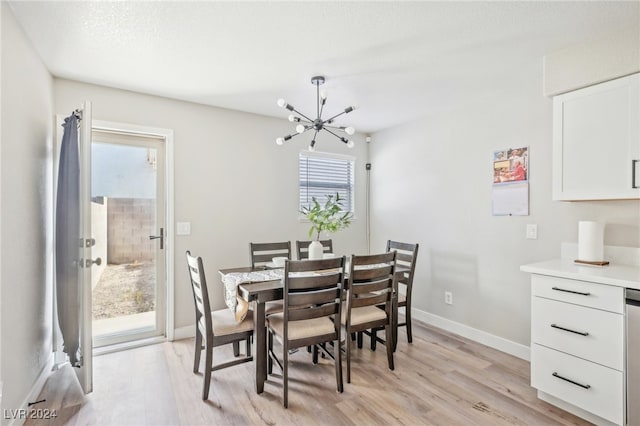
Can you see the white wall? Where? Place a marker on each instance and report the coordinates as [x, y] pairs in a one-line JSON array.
[[26, 216], [593, 61], [444, 203], [232, 182]]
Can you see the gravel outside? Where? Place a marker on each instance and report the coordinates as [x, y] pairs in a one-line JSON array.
[[124, 290]]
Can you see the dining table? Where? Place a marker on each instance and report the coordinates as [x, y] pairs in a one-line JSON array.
[[258, 290]]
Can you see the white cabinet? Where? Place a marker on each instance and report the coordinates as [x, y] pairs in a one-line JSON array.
[[596, 142], [577, 344]]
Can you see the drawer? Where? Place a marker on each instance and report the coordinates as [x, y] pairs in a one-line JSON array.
[[600, 296], [557, 324], [602, 393]]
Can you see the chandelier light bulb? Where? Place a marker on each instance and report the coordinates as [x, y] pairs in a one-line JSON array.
[[281, 103], [350, 144], [349, 130], [311, 148], [323, 94], [280, 141], [292, 118], [300, 128]]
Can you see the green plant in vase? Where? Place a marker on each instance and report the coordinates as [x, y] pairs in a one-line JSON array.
[[328, 217]]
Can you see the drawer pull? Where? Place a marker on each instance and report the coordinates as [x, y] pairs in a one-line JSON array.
[[570, 291], [571, 381], [582, 333]]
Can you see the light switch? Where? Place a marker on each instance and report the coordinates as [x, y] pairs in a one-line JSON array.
[[183, 228], [532, 231]]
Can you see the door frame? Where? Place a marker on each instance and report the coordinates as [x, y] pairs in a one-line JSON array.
[[167, 135]]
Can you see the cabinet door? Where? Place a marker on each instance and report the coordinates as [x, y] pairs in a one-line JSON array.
[[596, 142]]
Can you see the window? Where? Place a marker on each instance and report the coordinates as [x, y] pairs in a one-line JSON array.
[[326, 174]]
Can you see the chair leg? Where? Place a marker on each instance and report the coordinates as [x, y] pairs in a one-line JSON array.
[[389, 345], [207, 371], [359, 336], [198, 351], [337, 353], [374, 337], [315, 354], [248, 348], [347, 342], [269, 351], [408, 321], [285, 375], [236, 348]]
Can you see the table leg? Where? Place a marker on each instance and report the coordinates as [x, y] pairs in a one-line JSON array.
[[260, 337]]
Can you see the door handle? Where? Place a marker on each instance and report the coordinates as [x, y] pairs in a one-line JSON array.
[[89, 262], [633, 173], [571, 291], [161, 237], [582, 333], [555, 374]]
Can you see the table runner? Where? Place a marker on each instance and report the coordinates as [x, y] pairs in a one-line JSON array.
[[231, 281]]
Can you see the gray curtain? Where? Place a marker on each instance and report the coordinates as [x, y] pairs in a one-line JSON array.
[[68, 240]]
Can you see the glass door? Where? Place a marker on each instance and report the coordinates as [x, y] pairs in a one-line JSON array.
[[128, 224]]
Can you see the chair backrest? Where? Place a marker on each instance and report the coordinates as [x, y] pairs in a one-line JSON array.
[[302, 247], [407, 256], [313, 289], [200, 295], [371, 281], [263, 253]]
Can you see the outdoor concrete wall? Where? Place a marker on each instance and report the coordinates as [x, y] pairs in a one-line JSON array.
[[130, 222]]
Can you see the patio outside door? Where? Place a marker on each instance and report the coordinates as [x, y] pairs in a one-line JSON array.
[[128, 224]]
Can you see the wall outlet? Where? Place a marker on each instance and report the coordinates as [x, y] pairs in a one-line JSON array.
[[532, 232], [448, 298]]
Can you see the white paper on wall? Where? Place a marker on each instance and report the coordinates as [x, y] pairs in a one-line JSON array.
[[511, 199]]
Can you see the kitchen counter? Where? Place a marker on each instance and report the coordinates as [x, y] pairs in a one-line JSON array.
[[578, 336], [627, 276]]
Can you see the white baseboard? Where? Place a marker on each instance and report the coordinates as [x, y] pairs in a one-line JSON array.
[[488, 339], [184, 332], [35, 390]]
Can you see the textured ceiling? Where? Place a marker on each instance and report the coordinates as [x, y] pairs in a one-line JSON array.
[[394, 60]]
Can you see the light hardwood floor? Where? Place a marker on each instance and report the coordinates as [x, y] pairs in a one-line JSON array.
[[440, 379]]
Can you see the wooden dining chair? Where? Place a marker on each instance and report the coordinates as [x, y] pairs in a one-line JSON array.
[[370, 284], [312, 299], [406, 260], [263, 253], [215, 328], [302, 247]]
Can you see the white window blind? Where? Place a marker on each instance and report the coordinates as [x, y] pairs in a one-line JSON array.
[[322, 175]]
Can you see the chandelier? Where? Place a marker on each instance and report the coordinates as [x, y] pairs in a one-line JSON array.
[[306, 124]]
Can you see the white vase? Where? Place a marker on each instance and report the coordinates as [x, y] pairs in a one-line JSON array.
[[315, 250]]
